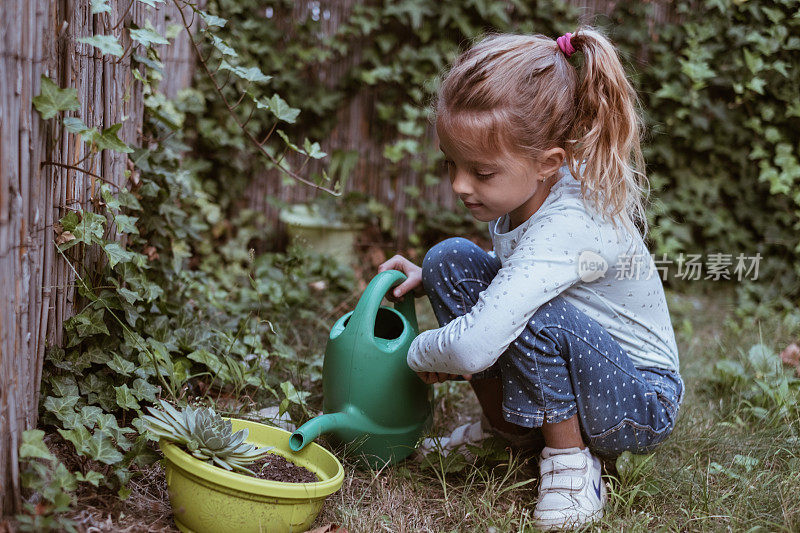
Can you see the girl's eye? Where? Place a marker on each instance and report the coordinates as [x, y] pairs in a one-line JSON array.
[[484, 176]]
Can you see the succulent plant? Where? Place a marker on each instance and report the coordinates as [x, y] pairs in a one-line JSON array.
[[204, 434]]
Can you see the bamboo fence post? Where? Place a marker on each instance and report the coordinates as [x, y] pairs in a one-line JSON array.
[[37, 288]]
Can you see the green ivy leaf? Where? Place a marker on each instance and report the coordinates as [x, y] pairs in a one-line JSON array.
[[52, 99], [252, 74], [313, 150], [74, 362], [222, 47], [90, 415], [151, 3], [76, 125], [85, 226], [33, 446], [65, 481], [698, 71], [160, 107], [89, 322], [107, 423], [126, 224], [92, 476], [101, 448], [125, 399], [288, 142], [64, 385], [211, 20], [116, 254], [173, 30], [107, 44], [756, 85], [129, 296], [207, 358], [282, 110], [148, 35], [129, 200], [121, 365], [775, 15], [100, 6], [98, 355], [753, 61], [108, 140], [144, 390], [292, 394], [180, 251], [110, 200], [181, 370], [62, 407]]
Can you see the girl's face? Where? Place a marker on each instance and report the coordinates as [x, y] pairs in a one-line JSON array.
[[492, 185]]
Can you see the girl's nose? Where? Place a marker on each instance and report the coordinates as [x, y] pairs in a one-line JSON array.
[[460, 183]]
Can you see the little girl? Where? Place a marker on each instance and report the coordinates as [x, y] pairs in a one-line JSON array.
[[564, 326]]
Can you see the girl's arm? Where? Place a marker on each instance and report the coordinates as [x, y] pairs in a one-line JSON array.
[[544, 264]]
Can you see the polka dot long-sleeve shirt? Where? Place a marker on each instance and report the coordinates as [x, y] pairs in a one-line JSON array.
[[564, 249]]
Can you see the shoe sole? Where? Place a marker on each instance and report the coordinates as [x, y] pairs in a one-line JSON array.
[[555, 524]]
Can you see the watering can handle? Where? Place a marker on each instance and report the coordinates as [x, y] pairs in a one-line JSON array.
[[366, 311]]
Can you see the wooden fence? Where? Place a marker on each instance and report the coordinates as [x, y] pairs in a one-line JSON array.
[[356, 123], [41, 177]]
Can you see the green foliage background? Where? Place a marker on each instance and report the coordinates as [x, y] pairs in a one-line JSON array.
[[719, 90]]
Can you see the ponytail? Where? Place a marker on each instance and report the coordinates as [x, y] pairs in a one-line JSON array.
[[524, 93], [605, 133]]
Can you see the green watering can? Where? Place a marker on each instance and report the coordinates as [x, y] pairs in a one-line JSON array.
[[372, 400]]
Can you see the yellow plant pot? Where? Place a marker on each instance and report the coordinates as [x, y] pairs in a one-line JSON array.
[[209, 499], [308, 229]]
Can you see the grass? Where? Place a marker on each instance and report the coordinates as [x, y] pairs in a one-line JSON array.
[[721, 470]]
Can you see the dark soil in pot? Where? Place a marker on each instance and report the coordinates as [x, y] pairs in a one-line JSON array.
[[273, 467]]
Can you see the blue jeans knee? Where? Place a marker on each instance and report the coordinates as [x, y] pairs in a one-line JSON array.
[[563, 363]]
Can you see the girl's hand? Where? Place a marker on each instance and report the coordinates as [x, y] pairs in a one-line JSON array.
[[412, 271], [440, 377]]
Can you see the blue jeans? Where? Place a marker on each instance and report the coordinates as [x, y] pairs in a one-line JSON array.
[[563, 363]]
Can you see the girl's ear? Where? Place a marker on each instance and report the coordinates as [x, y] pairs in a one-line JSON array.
[[550, 162]]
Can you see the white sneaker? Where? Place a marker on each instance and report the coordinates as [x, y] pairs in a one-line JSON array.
[[474, 433], [571, 489], [467, 434]]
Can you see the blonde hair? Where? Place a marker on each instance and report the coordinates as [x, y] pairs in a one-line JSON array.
[[523, 93]]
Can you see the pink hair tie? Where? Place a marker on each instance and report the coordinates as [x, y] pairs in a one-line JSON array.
[[565, 44]]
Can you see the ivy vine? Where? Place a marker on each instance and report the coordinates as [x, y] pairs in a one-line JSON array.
[[180, 307]]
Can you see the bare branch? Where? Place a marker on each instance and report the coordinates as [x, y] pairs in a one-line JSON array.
[[269, 134], [248, 134], [303, 165], [130, 4], [125, 53], [79, 169], [252, 110], [239, 101], [226, 80]]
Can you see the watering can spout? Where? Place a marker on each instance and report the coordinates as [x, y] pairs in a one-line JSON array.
[[325, 424]]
